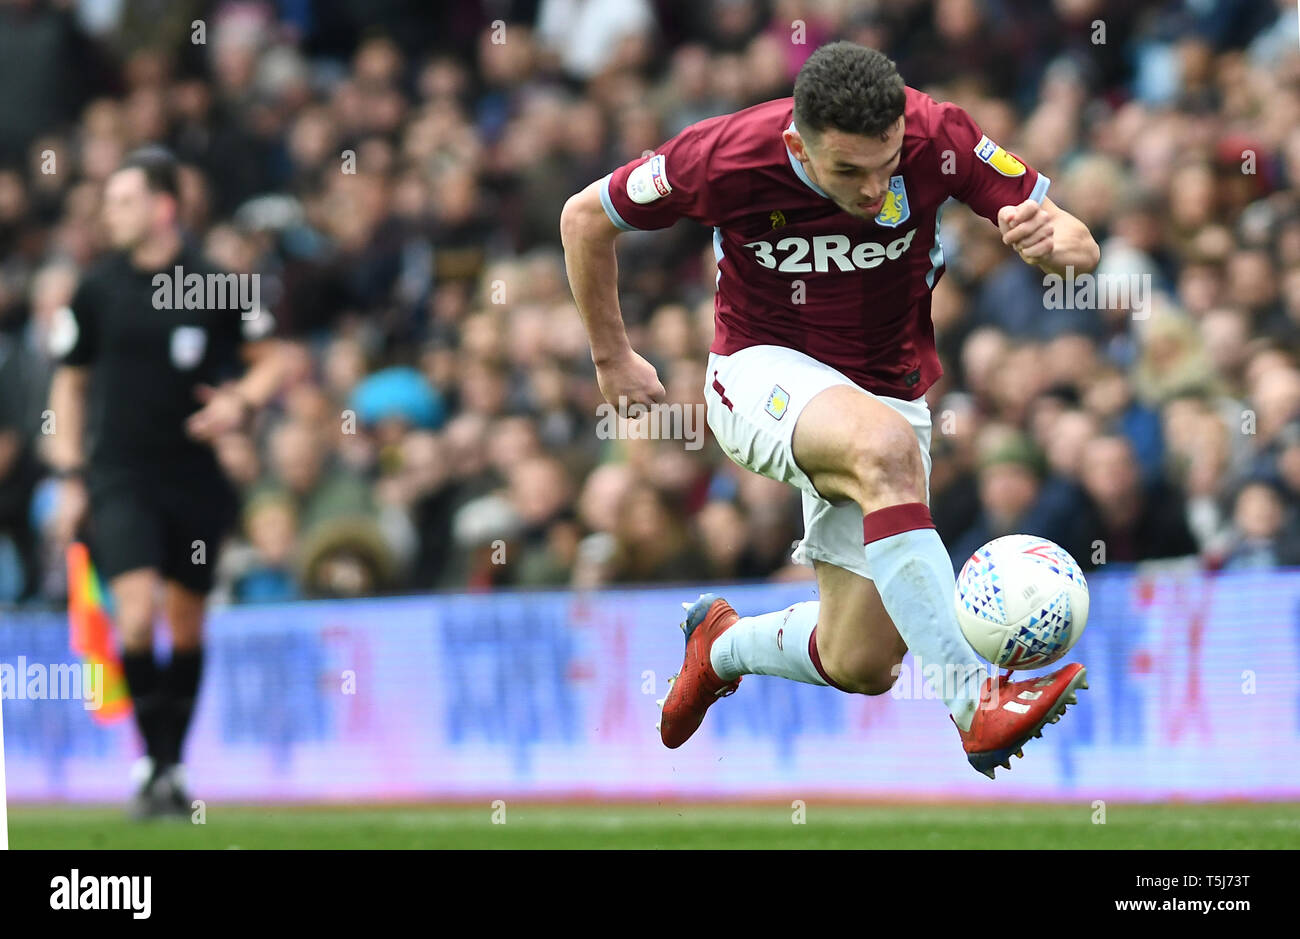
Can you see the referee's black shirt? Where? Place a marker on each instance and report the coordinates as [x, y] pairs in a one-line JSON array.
[[146, 363]]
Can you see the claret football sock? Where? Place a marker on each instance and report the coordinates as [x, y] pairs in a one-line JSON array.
[[913, 573], [783, 643]]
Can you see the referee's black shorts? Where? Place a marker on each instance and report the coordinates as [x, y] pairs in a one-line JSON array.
[[174, 525]]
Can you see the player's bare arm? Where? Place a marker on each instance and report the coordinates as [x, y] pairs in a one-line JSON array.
[[588, 236], [65, 452], [1049, 237], [68, 404]]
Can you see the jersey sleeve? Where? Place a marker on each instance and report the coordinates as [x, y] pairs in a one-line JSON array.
[[672, 183], [239, 319], [243, 317], [73, 335], [984, 175]]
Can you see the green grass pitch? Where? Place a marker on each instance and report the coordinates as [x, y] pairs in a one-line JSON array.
[[670, 825]]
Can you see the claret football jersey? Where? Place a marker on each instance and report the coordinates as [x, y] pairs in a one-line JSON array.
[[794, 269]]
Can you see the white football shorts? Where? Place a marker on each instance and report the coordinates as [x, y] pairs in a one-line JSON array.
[[754, 397]]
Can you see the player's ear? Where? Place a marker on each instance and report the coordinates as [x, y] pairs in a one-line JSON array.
[[794, 142]]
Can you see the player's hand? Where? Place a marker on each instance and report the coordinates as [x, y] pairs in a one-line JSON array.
[[629, 377], [224, 410], [1027, 228]]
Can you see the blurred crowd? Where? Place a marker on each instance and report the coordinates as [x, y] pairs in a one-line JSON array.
[[394, 171]]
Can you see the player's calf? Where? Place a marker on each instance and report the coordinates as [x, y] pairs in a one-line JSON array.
[[861, 669]]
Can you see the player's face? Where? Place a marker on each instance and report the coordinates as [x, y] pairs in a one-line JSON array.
[[853, 169], [129, 208]]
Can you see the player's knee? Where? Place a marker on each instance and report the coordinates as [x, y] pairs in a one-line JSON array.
[[134, 604], [886, 465], [135, 622]]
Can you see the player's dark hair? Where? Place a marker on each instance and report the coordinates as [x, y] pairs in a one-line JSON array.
[[161, 171], [848, 87]]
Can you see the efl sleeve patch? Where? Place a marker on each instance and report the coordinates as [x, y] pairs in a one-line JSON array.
[[998, 158], [649, 181]]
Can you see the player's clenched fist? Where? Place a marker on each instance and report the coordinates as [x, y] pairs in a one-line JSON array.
[[631, 378], [1027, 228]]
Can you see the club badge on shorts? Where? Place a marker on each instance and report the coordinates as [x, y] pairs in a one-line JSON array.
[[777, 402], [188, 343]]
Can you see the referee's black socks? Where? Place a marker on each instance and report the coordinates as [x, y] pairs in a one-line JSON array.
[[163, 699], [148, 699], [181, 683]]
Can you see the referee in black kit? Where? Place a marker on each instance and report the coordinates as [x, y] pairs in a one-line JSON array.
[[148, 383]]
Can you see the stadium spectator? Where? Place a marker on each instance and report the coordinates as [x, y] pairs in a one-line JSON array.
[[306, 474], [1014, 495], [1259, 521], [261, 570], [1127, 520], [398, 189], [651, 542]]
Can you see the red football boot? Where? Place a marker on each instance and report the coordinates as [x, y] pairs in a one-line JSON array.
[[697, 685], [1011, 712]]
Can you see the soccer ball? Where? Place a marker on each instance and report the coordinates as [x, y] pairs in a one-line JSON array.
[[1021, 601]]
